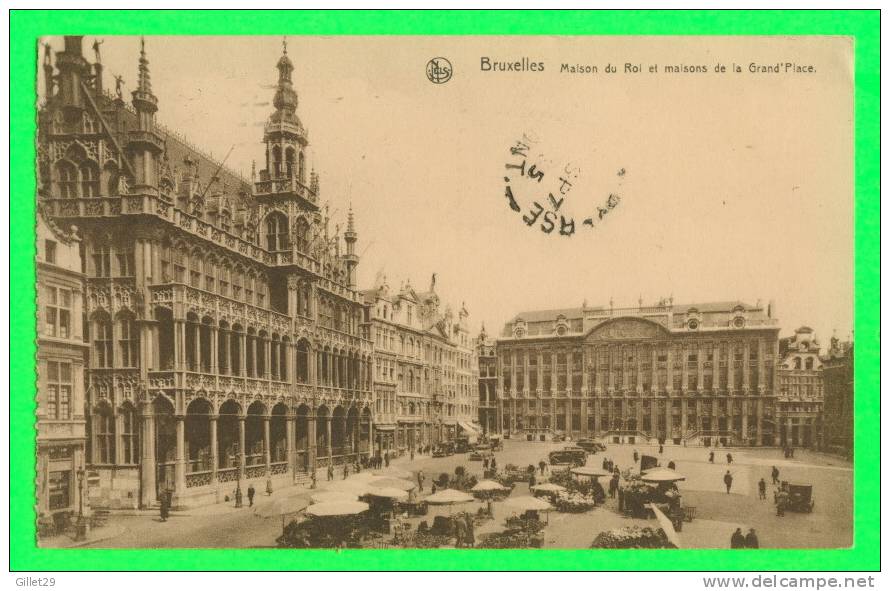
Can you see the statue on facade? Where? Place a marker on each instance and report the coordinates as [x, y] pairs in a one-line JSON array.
[[119, 87]]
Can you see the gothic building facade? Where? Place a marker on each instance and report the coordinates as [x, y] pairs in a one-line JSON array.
[[424, 368], [226, 336], [694, 374], [799, 399]]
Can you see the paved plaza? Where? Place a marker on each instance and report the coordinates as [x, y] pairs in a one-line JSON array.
[[717, 513]]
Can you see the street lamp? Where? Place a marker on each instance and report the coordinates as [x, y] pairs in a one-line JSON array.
[[81, 526]]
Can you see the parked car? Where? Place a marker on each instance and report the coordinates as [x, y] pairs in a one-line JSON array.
[[569, 455], [443, 449], [479, 454], [590, 445]]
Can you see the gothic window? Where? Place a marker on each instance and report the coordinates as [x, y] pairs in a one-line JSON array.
[[59, 384], [289, 162], [301, 235], [128, 343], [248, 289], [303, 362], [67, 175], [302, 168], [103, 430], [260, 292], [195, 270], [129, 441], [237, 283], [103, 342], [102, 261], [89, 180], [126, 263], [224, 279], [276, 232], [209, 275], [180, 259], [57, 312], [89, 124]]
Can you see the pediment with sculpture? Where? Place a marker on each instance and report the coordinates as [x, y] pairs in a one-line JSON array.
[[627, 328]]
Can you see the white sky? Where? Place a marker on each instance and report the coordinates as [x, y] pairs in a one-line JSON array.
[[738, 186]]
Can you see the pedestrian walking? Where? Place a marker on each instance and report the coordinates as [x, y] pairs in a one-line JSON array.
[[660, 448], [412, 454], [606, 464], [613, 486], [728, 458], [791, 452], [330, 472], [711, 456], [433, 488], [345, 471], [636, 456], [485, 463], [672, 465], [775, 474], [738, 539], [531, 480], [751, 540], [165, 504], [761, 489], [314, 479], [251, 491], [781, 501], [542, 465], [727, 480], [470, 534], [420, 479], [386, 459]]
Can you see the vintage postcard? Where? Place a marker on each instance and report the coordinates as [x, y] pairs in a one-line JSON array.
[[445, 292]]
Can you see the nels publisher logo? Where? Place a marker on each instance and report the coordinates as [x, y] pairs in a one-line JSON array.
[[438, 70]]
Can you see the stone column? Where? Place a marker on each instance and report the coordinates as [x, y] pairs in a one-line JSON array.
[[715, 386], [639, 404], [179, 345], [730, 366], [227, 352], [684, 368], [267, 358], [291, 434], [214, 449], [653, 411], [311, 440], [638, 356], [148, 474], [702, 356], [761, 366], [214, 350], [654, 388], [746, 363], [329, 444], [670, 368], [242, 453], [267, 451], [179, 473], [683, 410], [584, 421], [745, 420], [199, 366], [612, 350], [242, 358]]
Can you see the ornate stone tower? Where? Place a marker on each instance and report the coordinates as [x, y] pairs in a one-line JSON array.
[[285, 137], [350, 236], [144, 144]]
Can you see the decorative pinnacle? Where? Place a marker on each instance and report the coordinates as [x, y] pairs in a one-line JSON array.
[[350, 221], [144, 76], [284, 45]]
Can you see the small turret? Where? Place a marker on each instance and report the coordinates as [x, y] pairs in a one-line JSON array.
[[350, 237]]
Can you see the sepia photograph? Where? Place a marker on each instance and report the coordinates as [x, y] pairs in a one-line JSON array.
[[511, 292]]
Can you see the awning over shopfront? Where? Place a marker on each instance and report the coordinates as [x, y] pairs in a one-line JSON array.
[[470, 428]]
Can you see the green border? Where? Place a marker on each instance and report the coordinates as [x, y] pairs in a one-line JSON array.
[[27, 26]]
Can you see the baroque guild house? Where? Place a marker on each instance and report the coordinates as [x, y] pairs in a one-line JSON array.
[[696, 374]]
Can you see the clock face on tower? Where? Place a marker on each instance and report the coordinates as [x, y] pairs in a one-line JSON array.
[[739, 322]]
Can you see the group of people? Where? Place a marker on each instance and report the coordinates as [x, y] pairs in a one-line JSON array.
[[711, 457], [788, 451], [491, 463], [464, 531], [609, 466], [740, 540]]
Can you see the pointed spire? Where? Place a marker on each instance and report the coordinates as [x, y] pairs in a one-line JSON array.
[[144, 75], [350, 221]]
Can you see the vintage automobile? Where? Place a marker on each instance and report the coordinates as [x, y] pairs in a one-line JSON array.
[[797, 497], [478, 455], [497, 442], [590, 446], [443, 450], [568, 455], [461, 445]]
